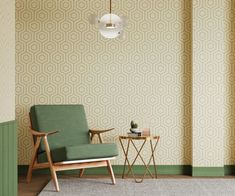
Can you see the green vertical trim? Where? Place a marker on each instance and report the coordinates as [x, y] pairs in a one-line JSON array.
[[208, 171], [8, 157]]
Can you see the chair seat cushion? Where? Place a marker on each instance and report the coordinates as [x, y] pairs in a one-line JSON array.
[[81, 152]]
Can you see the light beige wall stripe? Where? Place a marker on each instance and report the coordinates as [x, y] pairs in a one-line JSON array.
[[7, 60], [229, 141], [208, 83]]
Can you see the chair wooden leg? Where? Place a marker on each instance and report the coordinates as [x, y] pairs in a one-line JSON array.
[[81, 172], [54, 178], [111, 171], [30, 169], [53, 172]]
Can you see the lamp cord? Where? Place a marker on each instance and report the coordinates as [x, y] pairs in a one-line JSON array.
[[110, 6]]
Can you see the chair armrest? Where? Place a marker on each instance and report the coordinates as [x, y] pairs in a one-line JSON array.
[[98, 131], [42, 134]]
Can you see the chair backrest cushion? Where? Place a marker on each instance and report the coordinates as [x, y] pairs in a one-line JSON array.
[[69, 120]]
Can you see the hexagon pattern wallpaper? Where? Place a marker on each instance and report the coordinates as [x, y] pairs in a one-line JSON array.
[[229, 38], [146, 77], [208, 83], [7, 61]]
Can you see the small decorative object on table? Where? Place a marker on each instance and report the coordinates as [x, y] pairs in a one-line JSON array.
[[135, 131], [145, 132]]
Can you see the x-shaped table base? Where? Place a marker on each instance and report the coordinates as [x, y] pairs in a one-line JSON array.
[[152, 156]]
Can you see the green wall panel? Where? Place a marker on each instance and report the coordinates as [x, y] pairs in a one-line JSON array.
[[8, 159]]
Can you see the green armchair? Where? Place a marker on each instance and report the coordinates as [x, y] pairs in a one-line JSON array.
[[62, 141]]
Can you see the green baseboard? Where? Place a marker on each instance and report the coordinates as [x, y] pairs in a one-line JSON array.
[[118, 169], [229, 170], [208, 171], [139, 169]]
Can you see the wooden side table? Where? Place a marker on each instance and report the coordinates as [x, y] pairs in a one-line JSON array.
[[130, 141]]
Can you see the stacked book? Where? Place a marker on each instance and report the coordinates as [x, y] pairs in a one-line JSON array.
[[132, 134]]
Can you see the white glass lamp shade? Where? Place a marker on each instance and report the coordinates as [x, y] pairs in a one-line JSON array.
[[110, 26]]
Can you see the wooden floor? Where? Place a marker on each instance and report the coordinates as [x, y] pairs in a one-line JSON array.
[[39, 181], [33, 188]]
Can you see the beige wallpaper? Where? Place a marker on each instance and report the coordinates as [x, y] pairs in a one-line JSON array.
[[208, 83], [7, 60], [229, 144], [146, 77]]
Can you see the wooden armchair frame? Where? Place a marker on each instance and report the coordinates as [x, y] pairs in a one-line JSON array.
[[65, 165]]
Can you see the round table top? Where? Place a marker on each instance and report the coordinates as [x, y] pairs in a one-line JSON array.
[[150, 137]]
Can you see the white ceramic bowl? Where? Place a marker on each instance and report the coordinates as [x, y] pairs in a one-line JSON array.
[[135, 130]]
